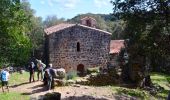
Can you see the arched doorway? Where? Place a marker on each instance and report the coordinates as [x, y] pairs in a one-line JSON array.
[[80, 69]]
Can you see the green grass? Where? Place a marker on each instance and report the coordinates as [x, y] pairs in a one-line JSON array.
[[162, 80], [17, 79], [138, 93], [13, 96]]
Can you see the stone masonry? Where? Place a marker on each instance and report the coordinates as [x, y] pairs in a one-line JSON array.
[[76, 45]]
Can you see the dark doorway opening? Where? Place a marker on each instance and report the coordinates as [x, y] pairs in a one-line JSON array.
[[80, 70], [88, 23]]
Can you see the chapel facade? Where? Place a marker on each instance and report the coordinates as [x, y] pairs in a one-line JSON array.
[[77, 46]]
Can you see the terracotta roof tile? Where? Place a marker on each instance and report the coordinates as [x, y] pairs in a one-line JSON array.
[[62, 26], [57, 28], [116, 45]]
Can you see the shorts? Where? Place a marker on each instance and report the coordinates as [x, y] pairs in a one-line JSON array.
[[4, 83]]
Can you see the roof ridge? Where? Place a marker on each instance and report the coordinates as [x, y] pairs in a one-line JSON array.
[[62, 26], [57, 25]]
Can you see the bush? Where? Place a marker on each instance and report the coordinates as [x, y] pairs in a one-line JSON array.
[[71, 75]]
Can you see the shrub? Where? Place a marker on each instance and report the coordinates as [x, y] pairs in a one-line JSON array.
[[71, 75]]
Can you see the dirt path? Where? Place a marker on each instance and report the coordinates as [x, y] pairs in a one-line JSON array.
[[75, 92]]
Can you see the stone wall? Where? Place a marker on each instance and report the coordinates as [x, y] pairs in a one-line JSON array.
[[94, 48]]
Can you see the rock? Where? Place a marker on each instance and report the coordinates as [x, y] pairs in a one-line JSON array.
[[52, 96], [78, 81], [76, 85], [86, 87], [71, 81]]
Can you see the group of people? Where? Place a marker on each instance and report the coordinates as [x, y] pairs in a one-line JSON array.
[[43, 71], [43, 74]]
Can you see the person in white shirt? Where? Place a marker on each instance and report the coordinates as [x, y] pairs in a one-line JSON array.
[[40, 66], [4, 78]]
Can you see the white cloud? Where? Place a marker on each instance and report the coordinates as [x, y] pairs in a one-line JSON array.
[[100, 3], [69, 4]]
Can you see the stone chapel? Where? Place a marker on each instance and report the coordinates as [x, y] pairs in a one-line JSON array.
[[77, 46]]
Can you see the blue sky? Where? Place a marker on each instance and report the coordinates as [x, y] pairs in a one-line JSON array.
[[70, 8]]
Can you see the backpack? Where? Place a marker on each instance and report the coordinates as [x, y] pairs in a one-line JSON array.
[[3, 76]]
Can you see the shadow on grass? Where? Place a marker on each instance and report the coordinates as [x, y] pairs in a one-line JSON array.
[[35, 90], [14, 86], [37, 86]]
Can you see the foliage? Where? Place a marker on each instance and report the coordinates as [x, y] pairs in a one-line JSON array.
[[157, 78], [147, 26], [105, 22], [71, 75], [52, 20], [21, 32], [15, 44], [36, 31]]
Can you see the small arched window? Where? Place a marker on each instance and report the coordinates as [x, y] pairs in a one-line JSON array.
[[78, 46]]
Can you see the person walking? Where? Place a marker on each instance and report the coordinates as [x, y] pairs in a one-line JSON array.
[[31, 69], [4, 78]]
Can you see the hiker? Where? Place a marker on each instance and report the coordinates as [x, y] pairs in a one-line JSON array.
[[4, 78], [48, 77], [31, 69], [40, 67]]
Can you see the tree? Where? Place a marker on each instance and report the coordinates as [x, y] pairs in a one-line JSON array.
[[15, 44], [52, 20], [147, 27], [36, 29]]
